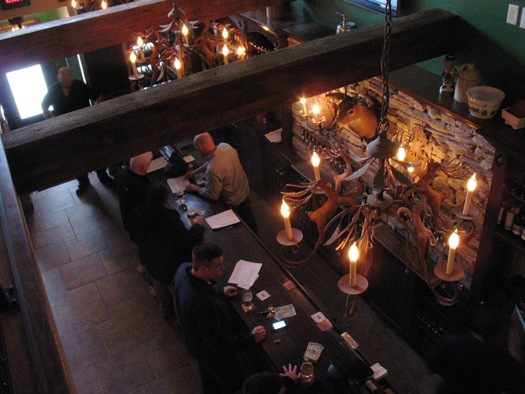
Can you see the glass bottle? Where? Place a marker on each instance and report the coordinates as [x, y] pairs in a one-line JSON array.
[[519, 224], [511, 214]]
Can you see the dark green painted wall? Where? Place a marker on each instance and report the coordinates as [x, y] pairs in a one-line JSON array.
[[483, 36]]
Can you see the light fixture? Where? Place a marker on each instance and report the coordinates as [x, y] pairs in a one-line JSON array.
[[391, 183]]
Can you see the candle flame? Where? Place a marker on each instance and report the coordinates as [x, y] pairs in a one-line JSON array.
[[132, 57], [453, 240], [353, 253], [472, 183], [241, 51], [302, 101], [316, 109], [73, 4], [185, 30], [178, 64], [103, 5], [225, 33], [285, 209], [140, 43], [401, 154], [316, 160], [410, 169], [225, 50]]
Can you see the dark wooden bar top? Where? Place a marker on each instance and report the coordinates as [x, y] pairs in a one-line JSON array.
[[240, 243]]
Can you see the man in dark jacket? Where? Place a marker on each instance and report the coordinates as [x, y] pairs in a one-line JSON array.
[[208, 320]]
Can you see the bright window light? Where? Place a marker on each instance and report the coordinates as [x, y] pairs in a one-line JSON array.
[[29, 88]]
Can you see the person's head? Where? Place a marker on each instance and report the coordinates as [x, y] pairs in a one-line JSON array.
[[207, 260], [204, 143], [65, 77], [263, 383], [140, 164]]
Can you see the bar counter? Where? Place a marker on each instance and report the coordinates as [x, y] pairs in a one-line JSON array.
[[288, 345]]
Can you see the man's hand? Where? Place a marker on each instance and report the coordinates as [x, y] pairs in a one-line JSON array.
[[291, 372], [230, 291], [190, 174], [259, 334], [192, 188]]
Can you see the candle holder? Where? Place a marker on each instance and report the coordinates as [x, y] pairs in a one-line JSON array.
[[283, 239], [473, 213], [136, 82], [440, 269], [352, 291]]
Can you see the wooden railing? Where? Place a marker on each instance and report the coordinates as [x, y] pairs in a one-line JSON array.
[[35, 359]]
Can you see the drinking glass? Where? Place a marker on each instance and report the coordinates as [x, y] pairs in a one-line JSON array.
[[307, 372]]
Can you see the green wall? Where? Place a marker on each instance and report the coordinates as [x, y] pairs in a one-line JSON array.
[[483, 36]]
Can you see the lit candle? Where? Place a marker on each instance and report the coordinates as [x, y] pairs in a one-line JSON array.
[[241, 52], [316, 110], [185, 33], [133, 60], [303, 102], [225, 53], [178, 66], [316, 160], [225, 34], [401, 154], [471, 186], [103, 4], [73, 4], [285, 212], [140, 44], [353, 255], [453, 243]]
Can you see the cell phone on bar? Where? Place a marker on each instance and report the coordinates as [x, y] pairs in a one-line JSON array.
[[279, 325]]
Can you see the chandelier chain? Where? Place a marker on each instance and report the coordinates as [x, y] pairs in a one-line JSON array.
[[385, 67]]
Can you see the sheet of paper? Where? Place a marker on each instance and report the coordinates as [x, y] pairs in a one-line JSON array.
[[245, 274], [274, 136], [177, 184], [222, 219], [157, 164]]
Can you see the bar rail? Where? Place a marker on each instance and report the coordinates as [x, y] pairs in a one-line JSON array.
[[35, 358]]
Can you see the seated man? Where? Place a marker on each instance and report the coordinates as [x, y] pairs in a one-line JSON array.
[[208, 321], [225, 178]]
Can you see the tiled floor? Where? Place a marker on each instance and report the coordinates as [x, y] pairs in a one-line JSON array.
[[113, 335]]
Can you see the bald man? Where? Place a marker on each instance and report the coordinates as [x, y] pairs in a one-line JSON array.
[[224, 177], [67, 95]]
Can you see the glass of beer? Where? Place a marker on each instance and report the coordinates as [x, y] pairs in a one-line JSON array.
[[247, 297], [307, 372]]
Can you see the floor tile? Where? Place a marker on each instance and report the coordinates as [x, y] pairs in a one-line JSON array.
[[82, 271], [86, 381], [84, 349]]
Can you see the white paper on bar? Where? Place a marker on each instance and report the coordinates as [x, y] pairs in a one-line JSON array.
[[157, 164], [245, 274], [379, 371], [274, 136], [222, 219], [177, 184]]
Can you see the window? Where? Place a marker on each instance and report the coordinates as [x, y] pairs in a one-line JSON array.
[[29, 88]]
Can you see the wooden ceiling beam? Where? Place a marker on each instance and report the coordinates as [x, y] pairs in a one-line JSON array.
[[86, 32], [59, 149]]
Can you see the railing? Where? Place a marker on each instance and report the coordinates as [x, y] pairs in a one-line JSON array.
[[35, 359]]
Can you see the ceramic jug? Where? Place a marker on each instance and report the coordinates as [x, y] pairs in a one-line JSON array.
[[468, 77]]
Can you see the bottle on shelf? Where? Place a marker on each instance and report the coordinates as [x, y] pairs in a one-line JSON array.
[[519, 223], [512, 211], [502, 210]]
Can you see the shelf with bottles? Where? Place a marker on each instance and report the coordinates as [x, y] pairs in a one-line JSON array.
[[511, 214]]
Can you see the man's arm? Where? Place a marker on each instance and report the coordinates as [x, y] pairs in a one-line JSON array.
[[212, 188], [45, 107]]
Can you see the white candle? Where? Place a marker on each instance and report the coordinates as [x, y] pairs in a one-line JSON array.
[[471, 186], [185, 33], [285, 212], [133, 60], [453, 243], [353, 255], [303, 102], [316, 160], [401, 154], [316, 110], [103, 4], [225, 51], [178, 66]]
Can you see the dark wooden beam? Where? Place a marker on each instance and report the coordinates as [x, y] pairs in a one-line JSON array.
[[104, 28], [60, 149]]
